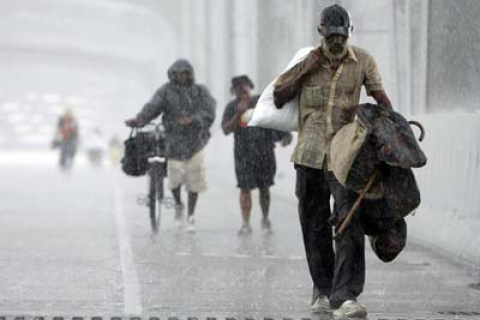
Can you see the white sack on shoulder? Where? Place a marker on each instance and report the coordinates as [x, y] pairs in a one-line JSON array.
[[266, 115]]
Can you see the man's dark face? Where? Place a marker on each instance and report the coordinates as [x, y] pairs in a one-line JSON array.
[[336, 43], [182, 78], [242, 91]]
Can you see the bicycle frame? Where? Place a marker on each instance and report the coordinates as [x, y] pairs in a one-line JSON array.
[[157, 171], [158, 160]]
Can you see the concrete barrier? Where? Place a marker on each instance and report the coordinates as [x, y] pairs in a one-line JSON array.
[[449, 217]]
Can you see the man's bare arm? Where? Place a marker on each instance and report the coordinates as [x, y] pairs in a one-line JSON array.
[[381, 98]]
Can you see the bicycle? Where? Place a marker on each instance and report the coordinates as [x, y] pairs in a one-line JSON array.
[[157, 172]]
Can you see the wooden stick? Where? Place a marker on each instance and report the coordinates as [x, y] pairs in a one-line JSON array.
[[356, 205]]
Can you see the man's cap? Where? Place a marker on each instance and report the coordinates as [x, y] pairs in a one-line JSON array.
[[335, 20]]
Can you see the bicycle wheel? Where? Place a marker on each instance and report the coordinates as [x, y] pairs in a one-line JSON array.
[[154, 207], [159, 198]]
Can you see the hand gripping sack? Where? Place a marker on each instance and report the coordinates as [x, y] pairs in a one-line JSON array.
[[137, 148], [266, 115]]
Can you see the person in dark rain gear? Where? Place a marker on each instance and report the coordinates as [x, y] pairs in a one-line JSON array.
[[188, 112], [255, 163]]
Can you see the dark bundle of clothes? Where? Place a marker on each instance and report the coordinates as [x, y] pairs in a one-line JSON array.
[[379, 142]]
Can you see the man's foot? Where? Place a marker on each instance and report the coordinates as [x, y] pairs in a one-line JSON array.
[[350, 309], [246, 229], [267, 226], [321, 305], [179, 208], [191, 224]]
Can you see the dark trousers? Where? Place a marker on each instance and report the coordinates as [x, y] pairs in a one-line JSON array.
[[339, 274]]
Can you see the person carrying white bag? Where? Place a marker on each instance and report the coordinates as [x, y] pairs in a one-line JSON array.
[[324, 88]]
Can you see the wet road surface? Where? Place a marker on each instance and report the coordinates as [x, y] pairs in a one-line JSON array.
[[80, 245]]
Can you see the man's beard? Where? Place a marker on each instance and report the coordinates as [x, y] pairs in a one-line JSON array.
[[335, 50]]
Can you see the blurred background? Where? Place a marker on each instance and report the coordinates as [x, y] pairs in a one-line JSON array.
[[103, 59]]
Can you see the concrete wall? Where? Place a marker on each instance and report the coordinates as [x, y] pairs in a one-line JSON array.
[[440, 58], [453, 50], [449, 217]]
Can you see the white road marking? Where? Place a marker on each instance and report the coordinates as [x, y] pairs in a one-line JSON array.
[[297, 258], [131, 289], [183, 253], [271, 257], [239, 255]]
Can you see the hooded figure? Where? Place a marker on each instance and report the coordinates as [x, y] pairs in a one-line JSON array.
[[188, 112], [175, 101]]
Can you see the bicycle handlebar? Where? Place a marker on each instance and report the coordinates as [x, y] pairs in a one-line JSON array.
[[153, 124], [158, 126]]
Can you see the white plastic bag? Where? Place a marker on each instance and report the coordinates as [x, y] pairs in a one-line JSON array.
[[266, 115]]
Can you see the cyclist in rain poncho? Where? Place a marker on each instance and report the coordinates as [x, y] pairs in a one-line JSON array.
[[188, 111]]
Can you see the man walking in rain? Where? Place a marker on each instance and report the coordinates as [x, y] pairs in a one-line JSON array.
[[188, 112], [254, 153], [329, 82]]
